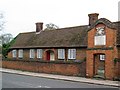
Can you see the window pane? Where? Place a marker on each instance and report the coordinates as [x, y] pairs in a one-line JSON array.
[[14, 53], [32, 53], [74, 53], [39, 53], [61, 54], [102, 57], [71, 53], [68, 53], [20, 53]]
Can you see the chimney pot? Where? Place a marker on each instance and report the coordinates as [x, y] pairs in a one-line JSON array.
[[39, 26], [93, 17]]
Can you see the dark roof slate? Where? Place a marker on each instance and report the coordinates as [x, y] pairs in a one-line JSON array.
[[118, 32], [65, 37], [104, 21]]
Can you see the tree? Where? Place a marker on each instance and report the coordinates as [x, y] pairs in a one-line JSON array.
[[6, 42], [51, 26], [6, 38], [2, 22], [1, 28]]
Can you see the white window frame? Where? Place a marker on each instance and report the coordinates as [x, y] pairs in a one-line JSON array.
[[102, 57], [32, 53], [39, 53], [61, 53], [20, 53], [14, 53], [71, 53]]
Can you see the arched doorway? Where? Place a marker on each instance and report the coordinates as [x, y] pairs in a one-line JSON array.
[[50, 55], [99, 65]]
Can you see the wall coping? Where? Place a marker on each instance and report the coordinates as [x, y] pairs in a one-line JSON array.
[[49, 62], [104, 48]]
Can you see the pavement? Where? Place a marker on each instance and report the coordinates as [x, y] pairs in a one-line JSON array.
[[61, 77]]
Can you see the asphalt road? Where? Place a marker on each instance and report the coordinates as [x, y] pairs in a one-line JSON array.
[[21, 81]]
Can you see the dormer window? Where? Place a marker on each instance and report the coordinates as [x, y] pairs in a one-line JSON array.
[[100, 37]]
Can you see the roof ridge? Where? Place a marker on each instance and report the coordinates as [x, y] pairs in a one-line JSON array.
[[26, 32], [73, 27], [55, 29], [72, 36], [105, 21], [65, 28], [116, 22]]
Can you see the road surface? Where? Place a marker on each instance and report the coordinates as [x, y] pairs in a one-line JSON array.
[[22, 81]]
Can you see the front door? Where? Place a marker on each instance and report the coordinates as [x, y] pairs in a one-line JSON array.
[[50, 55], [99, 65]]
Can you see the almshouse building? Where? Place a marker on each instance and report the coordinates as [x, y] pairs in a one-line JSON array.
[[98, 43]]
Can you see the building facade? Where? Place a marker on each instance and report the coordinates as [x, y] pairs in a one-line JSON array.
[[98, 43]]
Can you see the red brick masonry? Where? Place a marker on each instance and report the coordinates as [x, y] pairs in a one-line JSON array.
[[117, 70], [63, 68]]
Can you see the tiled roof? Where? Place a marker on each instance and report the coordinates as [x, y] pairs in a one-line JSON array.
[[104, 21], [64, 37], [118, 31]]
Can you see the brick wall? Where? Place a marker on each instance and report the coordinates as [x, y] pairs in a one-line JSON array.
[[119, 52], [109, 50], [80, 54], [64, 68], [44, 53], [117, 70], [110, 36], [118, 64]]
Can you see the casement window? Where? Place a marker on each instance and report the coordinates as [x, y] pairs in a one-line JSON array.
[[32, 53], [61, 53], [71, 53], [102, 57], [39, 53], [14, 53], [20, 53]]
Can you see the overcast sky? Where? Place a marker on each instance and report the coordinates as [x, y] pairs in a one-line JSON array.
[[21, 15]]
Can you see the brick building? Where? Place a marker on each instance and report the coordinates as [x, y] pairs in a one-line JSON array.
[[98, 43]]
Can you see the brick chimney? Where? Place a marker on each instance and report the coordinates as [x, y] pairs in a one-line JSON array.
[[39, 26], [93, 17]]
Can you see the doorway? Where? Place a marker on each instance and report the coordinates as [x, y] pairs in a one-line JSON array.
[[99, 65], [50, 55]]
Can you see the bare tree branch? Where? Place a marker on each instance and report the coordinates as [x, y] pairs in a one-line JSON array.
[[2, 22], [6, 38], [51, 26]]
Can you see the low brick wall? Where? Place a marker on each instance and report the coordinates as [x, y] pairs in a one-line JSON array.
[[63, 68]]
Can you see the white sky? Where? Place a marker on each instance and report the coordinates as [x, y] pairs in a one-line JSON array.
[[21, 15]]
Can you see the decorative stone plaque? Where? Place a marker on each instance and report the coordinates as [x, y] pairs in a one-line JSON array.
[[100, 37]]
